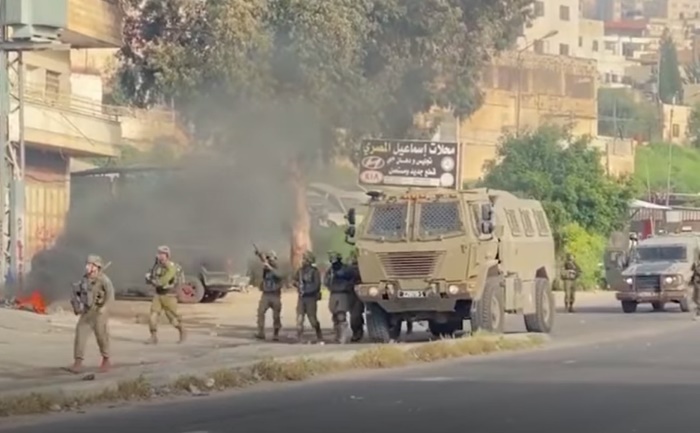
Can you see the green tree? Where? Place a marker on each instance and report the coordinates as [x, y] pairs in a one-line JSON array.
[[694, 126], [620, 114], [670, 83], [308, 69], [566, 175]]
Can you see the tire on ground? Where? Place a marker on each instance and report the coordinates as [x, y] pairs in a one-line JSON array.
[[542, 320], [487, 313], [629, 306], [191, 291]]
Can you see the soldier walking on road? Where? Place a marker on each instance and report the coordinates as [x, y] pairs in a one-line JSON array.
[[163, 277], [339, 280], [308, 282], [94, 295], [569, 275], [357, 307], [695, 278], [271, 297]]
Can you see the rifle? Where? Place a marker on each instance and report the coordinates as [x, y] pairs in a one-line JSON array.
[[80, 297], [260, 255]]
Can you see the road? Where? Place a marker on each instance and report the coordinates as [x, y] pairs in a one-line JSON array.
[[626, 383]]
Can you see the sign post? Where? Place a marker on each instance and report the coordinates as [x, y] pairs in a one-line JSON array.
[[409, 163]]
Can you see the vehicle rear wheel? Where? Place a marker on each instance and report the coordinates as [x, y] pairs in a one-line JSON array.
[[191, 291], [629, 306], [487, 313], [684, 304], [542, 320], [379, 329], [658, 306]]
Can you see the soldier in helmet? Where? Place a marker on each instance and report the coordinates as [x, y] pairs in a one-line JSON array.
[[695, 280], [357, 308], [569, 274], [163, 277], [271, 297], [340, 281], [308, 282], [99, 294]]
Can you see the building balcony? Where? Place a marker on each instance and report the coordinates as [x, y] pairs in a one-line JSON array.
[[143, 129], [74, 126], [93, 24]]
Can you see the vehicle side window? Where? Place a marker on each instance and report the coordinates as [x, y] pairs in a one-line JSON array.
[[541, 222], [513, 222], [527, 222]]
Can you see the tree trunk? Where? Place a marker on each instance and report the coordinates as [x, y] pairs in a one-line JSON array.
[[301, 224]]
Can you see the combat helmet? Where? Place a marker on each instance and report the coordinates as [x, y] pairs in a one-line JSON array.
[[96, 260]]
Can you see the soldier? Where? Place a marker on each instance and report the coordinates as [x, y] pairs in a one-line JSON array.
[[569, 275], [97, 295], [695, 278], [357, 308], [308, 281], [271, 297], [163, 276], [339, 280]]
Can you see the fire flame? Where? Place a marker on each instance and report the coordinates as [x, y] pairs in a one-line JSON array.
[[34, 302]]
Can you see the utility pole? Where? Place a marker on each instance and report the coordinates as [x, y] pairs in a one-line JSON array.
[[25, 25], [670, 151]]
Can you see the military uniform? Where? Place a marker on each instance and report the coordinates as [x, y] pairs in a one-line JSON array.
[[569, 275], [163, 277], [271, 297], [339, 279], [308, 282], [94, 315], [695, 278], [357, 307]]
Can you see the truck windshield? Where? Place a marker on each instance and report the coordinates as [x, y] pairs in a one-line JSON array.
[[660, 254], [388, 221], [439, 219]]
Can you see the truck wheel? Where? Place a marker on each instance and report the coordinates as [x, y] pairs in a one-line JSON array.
[[684, 304], [658, 306], [379, 327], [210, 297], [487, 313], [542, 320], [629, 306], [191, 291]]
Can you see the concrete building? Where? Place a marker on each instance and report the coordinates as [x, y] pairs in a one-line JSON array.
[[551, 90], [675, 123], [561, 17]]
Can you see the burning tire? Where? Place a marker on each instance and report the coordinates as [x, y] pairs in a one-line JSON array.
[[191, 291]]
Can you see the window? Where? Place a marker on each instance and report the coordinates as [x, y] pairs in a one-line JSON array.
[[676, 130], [539, 9], [53, 84], [563, 50], [580, 41], [541, 221], [527, 222], [661, 254], [538, 47], [513, 222], [564, 13], [388, 221], [439, 218], [595, 45]]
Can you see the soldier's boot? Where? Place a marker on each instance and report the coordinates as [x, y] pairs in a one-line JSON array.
[[571, 308], [357, 335], [696, 316], [300, 334], [343, 337], [105, 366], [77, 366], [319, 334], [260, 335], [276, 334], [183, 334], [153, 340]]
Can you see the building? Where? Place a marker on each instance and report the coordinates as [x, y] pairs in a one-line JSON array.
[[560, 20], [675, 123], [551, 90]]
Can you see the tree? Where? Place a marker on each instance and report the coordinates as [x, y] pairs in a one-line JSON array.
[[620, 115], [566, 175], [309, 69], [670, 83], [694, 126]]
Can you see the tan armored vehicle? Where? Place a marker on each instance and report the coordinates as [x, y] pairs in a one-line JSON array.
[[659, 272], [446, 256]]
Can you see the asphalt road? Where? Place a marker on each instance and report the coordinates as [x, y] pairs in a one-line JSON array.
[[631, 384]]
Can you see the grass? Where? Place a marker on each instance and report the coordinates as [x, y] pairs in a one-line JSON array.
[[268, 371], [651, 162]]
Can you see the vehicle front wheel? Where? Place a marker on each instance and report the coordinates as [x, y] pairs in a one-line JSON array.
[[629, 306], [487, 313], [379, 329], [191, 291]]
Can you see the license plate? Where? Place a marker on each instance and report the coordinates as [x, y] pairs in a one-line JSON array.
[[647, 294], [412, 294]]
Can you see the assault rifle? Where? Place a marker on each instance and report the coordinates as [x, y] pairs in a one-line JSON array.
[[81, 298]]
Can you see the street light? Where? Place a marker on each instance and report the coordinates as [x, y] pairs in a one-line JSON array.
[[520, 75]]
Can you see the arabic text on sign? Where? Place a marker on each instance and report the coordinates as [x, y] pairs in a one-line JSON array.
[[416, 172]]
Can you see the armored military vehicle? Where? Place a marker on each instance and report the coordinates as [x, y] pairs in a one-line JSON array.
[[660, 272], [446, 256]]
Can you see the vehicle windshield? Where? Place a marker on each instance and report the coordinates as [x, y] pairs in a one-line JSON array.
[[674, 253], [439, 219], [388, 221]]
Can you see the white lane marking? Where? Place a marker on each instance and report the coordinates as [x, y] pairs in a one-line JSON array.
[[430, 379]]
